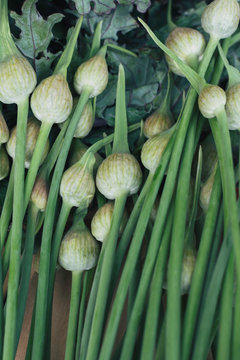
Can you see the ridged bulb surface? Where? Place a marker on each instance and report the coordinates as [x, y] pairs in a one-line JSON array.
[[85, 122], [206, 191], [153, 149], [77, 186], [39, 194], [118, 173], [33, 128], [189, 260], [92, 75], [220, 18], [4, 163], [211, 101], [233, 107], [17, 80], [52, 101], [4, 132], [101, 221], [78, 251], [188, 44], [156, 123]]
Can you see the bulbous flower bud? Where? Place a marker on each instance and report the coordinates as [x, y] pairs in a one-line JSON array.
[[77, 186], [4, 132], [188, 44], [220, 18], [17, 80], [79, 250], [85, 122], [92, 75], [52, 100], [33, 128], [4, 163], [101, 221], [156, 123], [153, 149], [206, 191], [39, 194], [189, 260], [211, 101], [118, 173], [233, 107]]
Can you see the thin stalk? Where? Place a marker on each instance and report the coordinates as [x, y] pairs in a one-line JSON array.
[[91, 305], [81, 315], [170, 23], [161, 347], [129, 266], [96, 42], [41, 302], [7, 208], [73, 315], [36, 160], [226, 314], [105, 277], [151, 322], [206, 318], [200, 268], [133, 289], [173, 313], [26, 269], [131, 332], [18, 196], [235, 335]]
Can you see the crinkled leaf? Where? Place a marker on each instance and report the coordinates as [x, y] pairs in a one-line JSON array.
[[118, 20], [36, 33], [99, 7], [142, 5]]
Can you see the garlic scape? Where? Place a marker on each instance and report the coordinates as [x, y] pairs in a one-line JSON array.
[[101, 221], [160, 119], [17, 81], [33, 129], [78, 252], [118, 176], [220, 18]]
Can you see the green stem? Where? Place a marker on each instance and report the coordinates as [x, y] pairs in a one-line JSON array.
[[129, 265], [176, 251], [194, 297], [26, 268], [7, 45], [226, 312], [96, 42], [91, 305], [133, 324], [16, 238], [105, 277], [120, 141], [73, 315], [36, 160], [170, 23], [161, 346], [81, 315], [41, 302], [67, 54], [205, 321], [7, 208], [151, 322]]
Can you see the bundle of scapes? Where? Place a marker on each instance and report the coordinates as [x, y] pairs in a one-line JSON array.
[[155, 261]]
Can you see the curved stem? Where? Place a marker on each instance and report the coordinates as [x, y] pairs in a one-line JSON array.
[[170, 23], [105, 277], [41, 302], [16, 238], [73, 315]]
